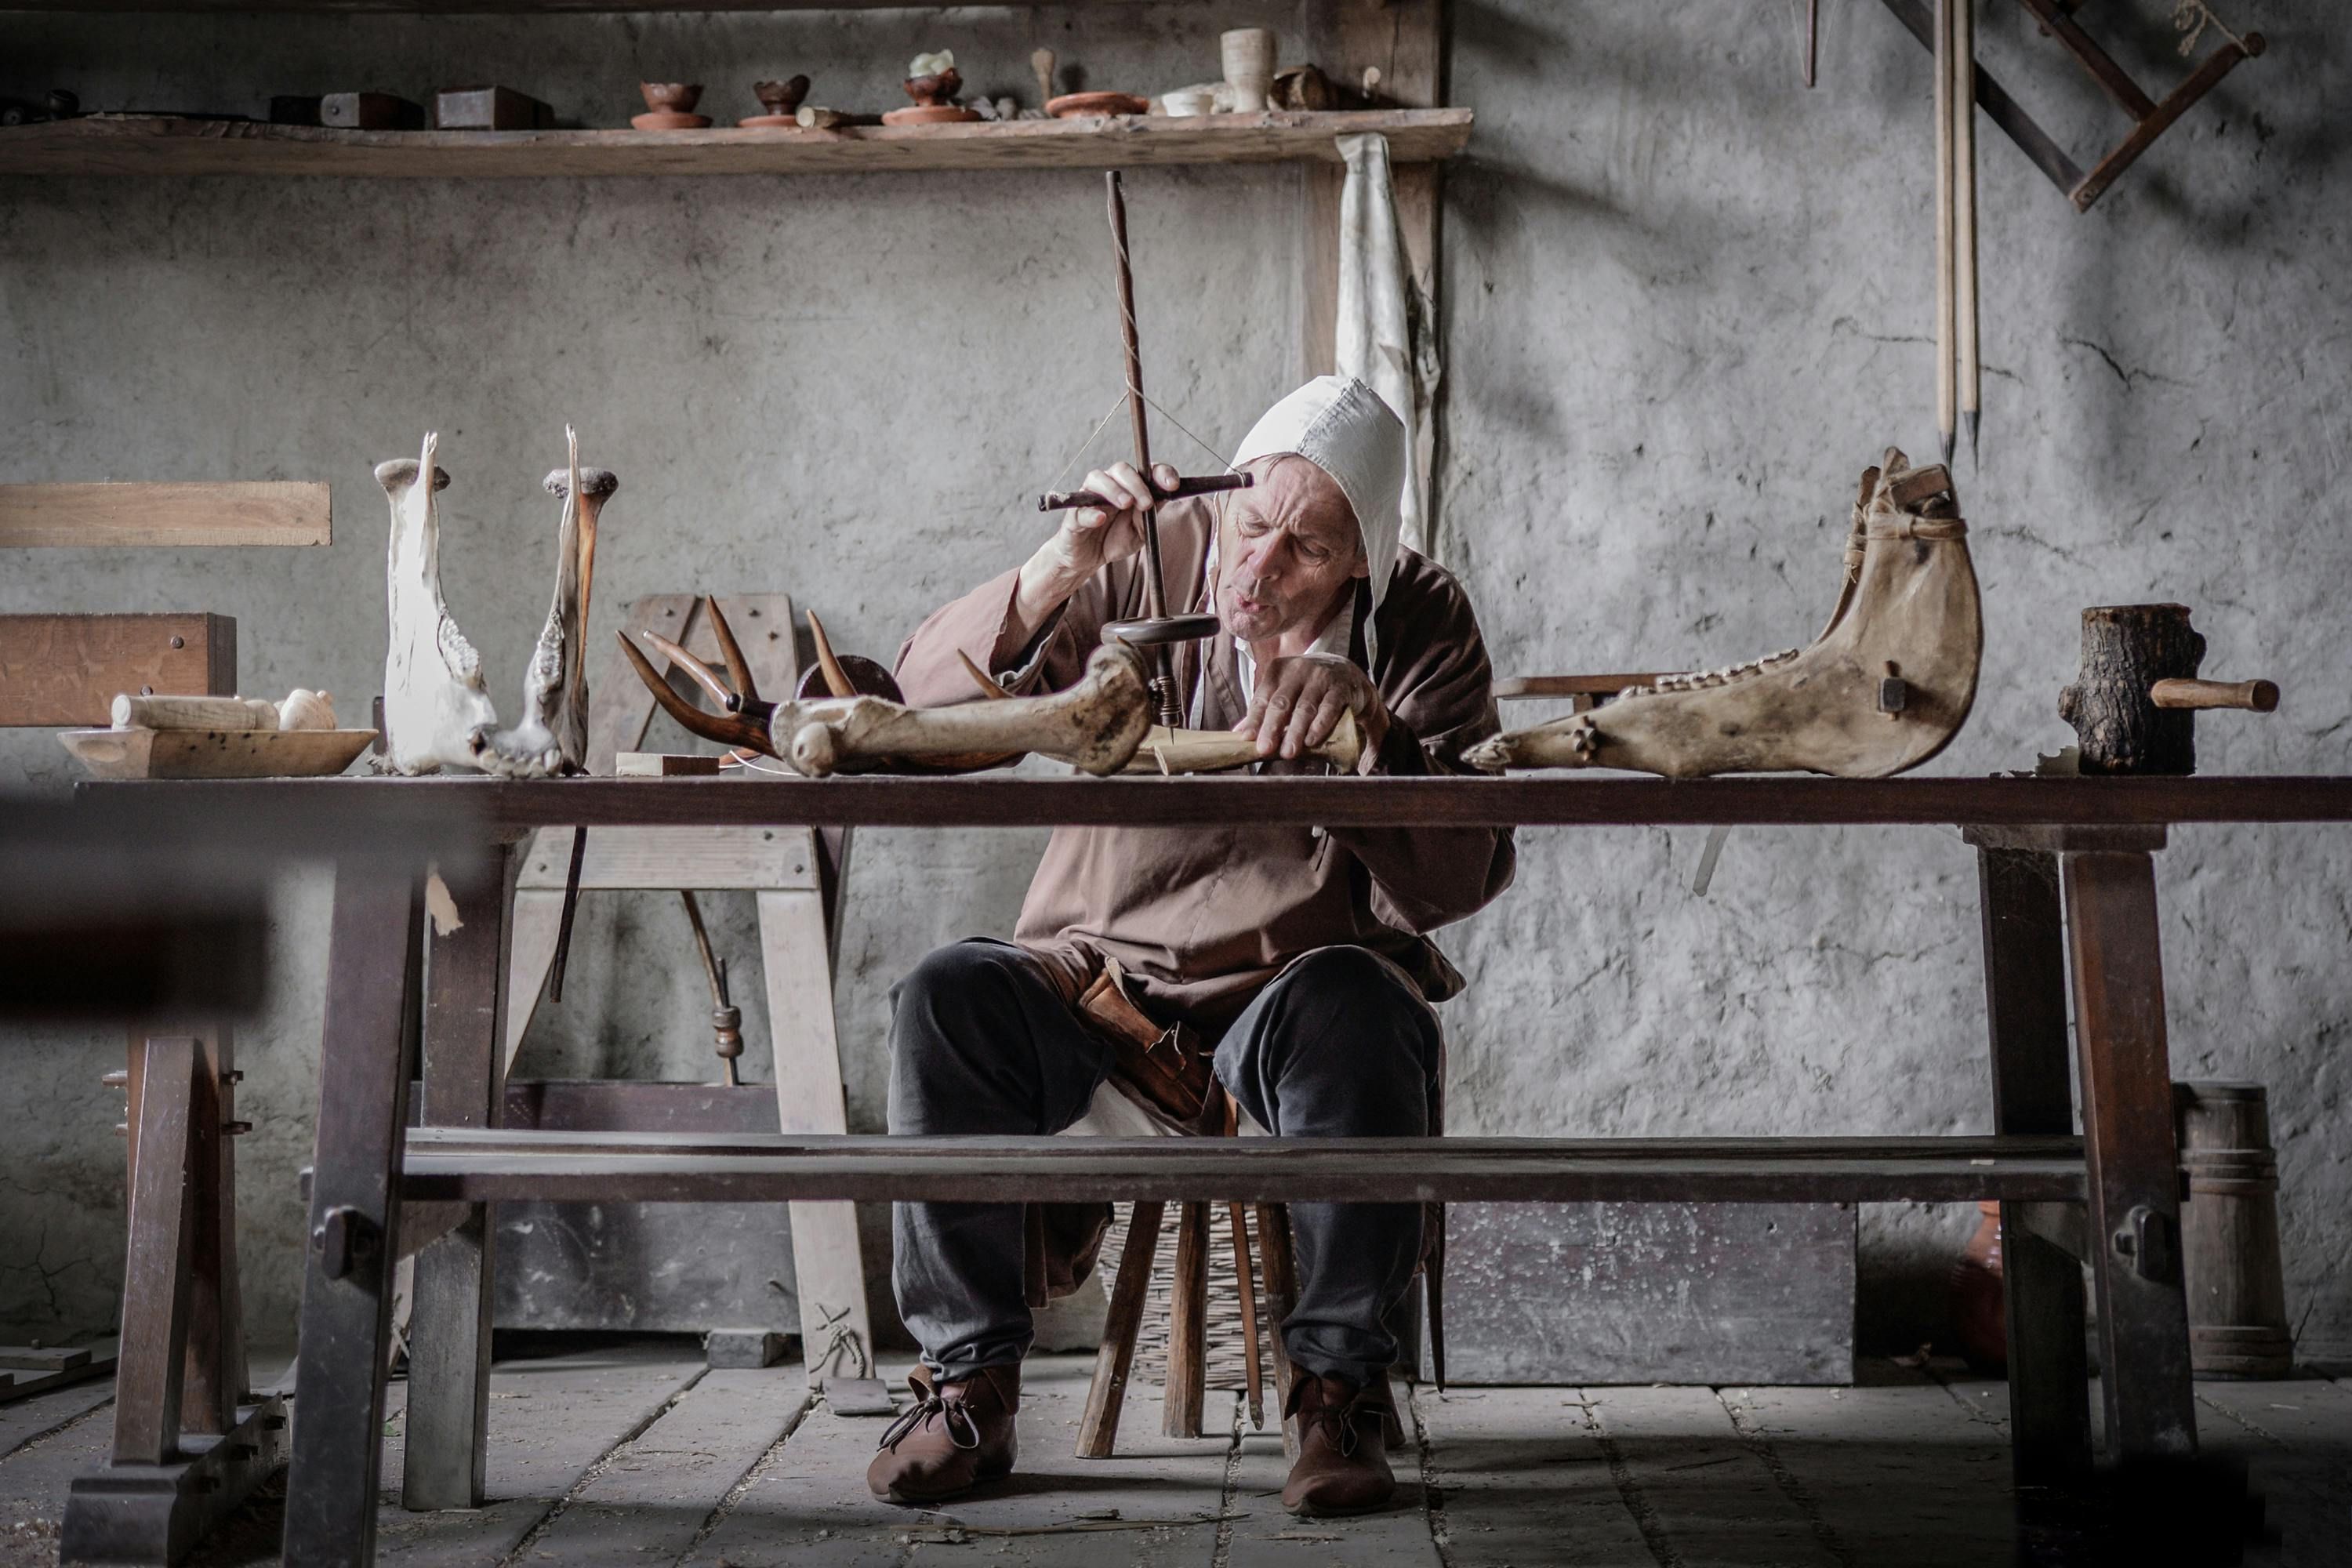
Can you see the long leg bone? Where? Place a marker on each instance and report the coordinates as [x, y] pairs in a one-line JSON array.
[[553, 736], [1886, 685], [436, 712], [1095, 725]]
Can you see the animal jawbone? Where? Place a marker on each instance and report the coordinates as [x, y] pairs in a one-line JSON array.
[[1884, 688]]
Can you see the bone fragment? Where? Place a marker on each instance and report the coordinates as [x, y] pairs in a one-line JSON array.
[[1166, 750], [1095, 725], [436, 712], [1908, 621], [193, 713], [307, 710], [551, 739]]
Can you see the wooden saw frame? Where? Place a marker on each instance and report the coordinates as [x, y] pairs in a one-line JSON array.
[[2151, 119]]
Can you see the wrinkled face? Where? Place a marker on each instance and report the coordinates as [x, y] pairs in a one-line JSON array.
[[1287, 550]]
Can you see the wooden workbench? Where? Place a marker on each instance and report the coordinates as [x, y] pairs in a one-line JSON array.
[[2091, 838]]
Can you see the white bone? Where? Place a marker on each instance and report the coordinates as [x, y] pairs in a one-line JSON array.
[[1908, 608], [551, 736], [436, 712], [1095, 725]]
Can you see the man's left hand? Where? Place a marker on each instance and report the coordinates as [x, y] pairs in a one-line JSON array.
[[1298, 701]]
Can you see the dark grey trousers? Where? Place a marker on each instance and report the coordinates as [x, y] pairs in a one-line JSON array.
[[1340, 1045]]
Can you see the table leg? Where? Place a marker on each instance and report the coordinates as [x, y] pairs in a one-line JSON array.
[[346, 1316], [2025, 1004], [2135, 1165], [463, 1085]]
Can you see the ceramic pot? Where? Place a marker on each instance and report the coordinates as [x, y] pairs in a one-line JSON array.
[[1248, 56], [1186, 102], [782, 99], [935, 102], [671, 106], [1979, 1298], [1095, 105]]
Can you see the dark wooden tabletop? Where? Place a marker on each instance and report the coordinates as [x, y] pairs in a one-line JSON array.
[[334, 809]]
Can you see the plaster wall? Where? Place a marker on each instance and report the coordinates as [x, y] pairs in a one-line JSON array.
[[1686, 302]]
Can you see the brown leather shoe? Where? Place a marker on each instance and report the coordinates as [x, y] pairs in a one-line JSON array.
[[1344, 1433], [954, 1436]]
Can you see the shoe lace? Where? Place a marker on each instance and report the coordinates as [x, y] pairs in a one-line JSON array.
[[1342, 1420], [921, 1414]]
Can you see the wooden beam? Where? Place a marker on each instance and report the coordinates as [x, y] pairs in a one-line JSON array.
[[65, 670], [168, 516]]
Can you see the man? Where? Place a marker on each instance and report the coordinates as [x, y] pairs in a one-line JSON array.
[[1297, 952]]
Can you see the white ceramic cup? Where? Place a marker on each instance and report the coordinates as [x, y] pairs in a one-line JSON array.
[[1185, 103], [1248, 55]]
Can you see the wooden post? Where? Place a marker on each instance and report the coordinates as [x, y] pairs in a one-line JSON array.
[[463, 1085], [2025, 1004], [1115, 1361], [2135, 1165], [1188, 1326], [346, 1317], [155, 1281], [1281, 1295]]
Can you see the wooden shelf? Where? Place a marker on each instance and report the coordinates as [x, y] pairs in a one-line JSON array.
[[514, 7], [159, 145]]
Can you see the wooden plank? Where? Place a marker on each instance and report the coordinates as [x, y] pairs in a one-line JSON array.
[[828, 1264], [1523, 1478], [537, 924], [215, 1370], [700, 858], [142, 144], [2025, 1006], [551, 1419], [1894, 1472], [2135, 1164], [808, 1505], [1684, 1292], [464, 1054], [1699, 1491], [310, 816], [165, 516], [67, 669], [346, 1319], [650, 1496], [473, 8], [2296, 1437], [157, 1280], [37, 1415], [1156, 1169]]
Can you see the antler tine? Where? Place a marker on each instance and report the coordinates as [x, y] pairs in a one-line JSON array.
[[836, 680], [738, 669], [702, 673], [980, 678], [726, 730]]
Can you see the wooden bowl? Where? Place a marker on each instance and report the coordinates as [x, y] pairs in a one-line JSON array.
[[1095, 105], [143, 753]]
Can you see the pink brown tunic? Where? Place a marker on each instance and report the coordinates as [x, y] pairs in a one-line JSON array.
[[1200, 919]]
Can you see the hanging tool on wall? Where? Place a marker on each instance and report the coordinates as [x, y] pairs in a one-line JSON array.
[[1957, 378]]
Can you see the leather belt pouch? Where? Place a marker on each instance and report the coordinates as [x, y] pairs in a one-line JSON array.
[[1166, 1071]]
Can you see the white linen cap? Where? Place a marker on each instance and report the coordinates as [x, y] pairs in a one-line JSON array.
[[1340, 426]]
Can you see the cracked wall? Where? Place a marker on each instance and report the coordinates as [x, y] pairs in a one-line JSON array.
[[1686, 302]]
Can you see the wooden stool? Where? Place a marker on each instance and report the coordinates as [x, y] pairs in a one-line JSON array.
[[1187, 1380]]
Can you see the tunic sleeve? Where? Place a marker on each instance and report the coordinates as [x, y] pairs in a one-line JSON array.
[[1439, 689], [981, 624]]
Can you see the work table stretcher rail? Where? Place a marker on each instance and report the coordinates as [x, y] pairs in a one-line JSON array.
[[2067, 901]]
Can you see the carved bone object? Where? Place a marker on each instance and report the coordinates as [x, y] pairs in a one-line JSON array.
[[552, 738], [1884, 686], [436, 711], [1095, 725]]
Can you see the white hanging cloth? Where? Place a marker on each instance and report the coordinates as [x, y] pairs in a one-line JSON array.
[[1384, 338]]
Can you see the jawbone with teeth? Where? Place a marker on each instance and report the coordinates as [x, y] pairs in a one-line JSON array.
[[1883, 688]]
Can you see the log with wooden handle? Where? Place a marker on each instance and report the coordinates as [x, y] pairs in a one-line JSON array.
[[2255, 695], [193, 713]]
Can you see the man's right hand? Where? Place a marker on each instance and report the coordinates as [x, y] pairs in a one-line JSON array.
[[1089, 539]]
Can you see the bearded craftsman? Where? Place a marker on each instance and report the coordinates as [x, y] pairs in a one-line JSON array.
[[1289, 968]]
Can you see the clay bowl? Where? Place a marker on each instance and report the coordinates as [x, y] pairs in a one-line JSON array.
[[780, 100], [930, 114], [936, 90], [672, 105], [1095, 105]]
